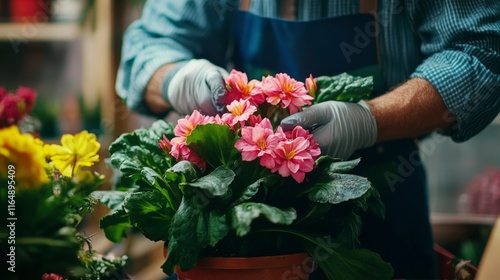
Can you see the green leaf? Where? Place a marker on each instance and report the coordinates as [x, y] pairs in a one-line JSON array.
[[244, 214], [150, 213], [183, 171], [192, 230], [253, 188], [346, 263], [115, 225], [316, 213], [216, 183], [111, 199], [340, 187], [150, 176], [343, 87], [350, 229], [132, 152], [214, 143], [326, 159], [338, 262], [335, 166]]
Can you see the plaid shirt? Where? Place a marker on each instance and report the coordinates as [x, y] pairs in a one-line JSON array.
[[454, 44]]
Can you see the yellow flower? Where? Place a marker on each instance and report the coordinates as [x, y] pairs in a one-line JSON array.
[[25, 154], [76, 151]]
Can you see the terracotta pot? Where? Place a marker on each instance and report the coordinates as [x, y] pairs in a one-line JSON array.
[[286, 267], [29, 10]]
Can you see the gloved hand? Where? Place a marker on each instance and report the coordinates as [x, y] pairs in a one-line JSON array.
[[340, 128], [195, 85]]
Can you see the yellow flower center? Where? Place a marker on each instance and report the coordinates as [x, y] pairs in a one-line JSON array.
[[247, 89], [262, 144], [287, 87], [237, 110], [290, 154]]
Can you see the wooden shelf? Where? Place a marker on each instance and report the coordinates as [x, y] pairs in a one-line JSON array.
[[31, 31], [462, 219]]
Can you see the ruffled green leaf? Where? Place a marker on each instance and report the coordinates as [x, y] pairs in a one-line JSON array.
[[132, 152], [192, 230], [244, 214], [252, 189], [115, 225], [343, 87], [216, 183], [151, 213], [183, 171], [341, 187], [335, 166]]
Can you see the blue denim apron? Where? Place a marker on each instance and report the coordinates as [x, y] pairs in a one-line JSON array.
[[331, 46]]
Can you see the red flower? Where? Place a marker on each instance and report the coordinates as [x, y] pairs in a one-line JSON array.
[[52, 276], [28, 95], [3, 92], [11, 110], [13, 107]]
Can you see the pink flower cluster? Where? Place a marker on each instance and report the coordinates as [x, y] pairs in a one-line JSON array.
[[14, 106], [279, 90], [291, 153]]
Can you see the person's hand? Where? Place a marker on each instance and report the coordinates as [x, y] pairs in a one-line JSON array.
[[197, 85], [340, 128]]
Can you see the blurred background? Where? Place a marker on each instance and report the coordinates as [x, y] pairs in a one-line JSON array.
[[69, 50]]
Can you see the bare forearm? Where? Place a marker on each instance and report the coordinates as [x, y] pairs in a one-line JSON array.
[[153, 97], [413, 109]]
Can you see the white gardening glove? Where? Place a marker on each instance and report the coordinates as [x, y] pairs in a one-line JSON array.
[[195, 85], [340, 128]]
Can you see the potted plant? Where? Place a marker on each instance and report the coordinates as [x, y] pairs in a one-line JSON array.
[[236, 188], [45, 194]]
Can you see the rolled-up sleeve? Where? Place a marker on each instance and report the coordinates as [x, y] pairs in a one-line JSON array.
[[461, 43], [168, 32]]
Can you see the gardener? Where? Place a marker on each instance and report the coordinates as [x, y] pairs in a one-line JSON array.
[[440, 62]]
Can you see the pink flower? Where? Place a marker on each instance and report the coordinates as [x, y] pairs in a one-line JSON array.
[[184, 127], [253, 120], [180, 151], [52, 276], [293, 158], [271, 89], [298, 131], [288, 92], [187, 154], [311, 85], [165, 144], [259, 141], [187, 124], [238, 87], [240, 111]]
